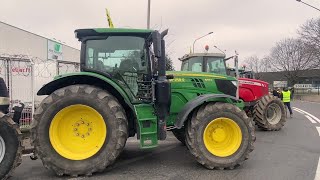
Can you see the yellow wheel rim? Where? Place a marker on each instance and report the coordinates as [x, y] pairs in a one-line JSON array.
[[222, 137], [77, 132]]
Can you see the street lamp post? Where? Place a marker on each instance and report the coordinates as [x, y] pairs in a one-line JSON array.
[[308, 5], [148, 15], [198, 39]]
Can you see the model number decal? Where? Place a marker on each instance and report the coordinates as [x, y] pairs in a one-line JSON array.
[[251, 83]]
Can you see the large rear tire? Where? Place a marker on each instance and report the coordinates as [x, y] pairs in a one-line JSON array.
[[10, 146], [269, 113], [79, 130], [220, 136]]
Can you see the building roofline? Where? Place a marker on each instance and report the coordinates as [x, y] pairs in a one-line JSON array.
[[38, 35]]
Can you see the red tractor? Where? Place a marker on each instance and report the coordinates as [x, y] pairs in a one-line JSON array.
[[267, 110]]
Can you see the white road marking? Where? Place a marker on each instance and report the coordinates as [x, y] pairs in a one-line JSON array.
[[310, 119], [312, 116], [27, 155], [313, 119], [318, 128], [298, 111], [317, 177]]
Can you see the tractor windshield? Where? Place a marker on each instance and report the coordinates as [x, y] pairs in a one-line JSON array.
[[122, 57], [116, 53], [212, 64], [216, 65]]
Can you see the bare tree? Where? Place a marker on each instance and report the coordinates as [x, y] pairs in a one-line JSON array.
[[252, 63], [257, 65], [265, 65], [310, 35], [290, 56]]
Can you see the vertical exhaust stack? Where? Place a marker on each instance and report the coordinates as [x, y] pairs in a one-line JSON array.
[[237, 72], [162, 92]]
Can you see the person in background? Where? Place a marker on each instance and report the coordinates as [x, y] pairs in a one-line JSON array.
[[275, 93], [286, 98], [292, 92]]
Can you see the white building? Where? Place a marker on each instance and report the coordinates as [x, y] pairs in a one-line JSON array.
[[14, 40], [50, 58]]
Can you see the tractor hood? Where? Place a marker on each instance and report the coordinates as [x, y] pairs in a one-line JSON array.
[[189, 74], [202, 83], [254, 82]]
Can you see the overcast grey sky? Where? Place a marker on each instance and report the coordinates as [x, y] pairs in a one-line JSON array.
[[249, 26]]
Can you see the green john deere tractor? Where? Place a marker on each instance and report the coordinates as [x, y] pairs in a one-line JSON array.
[[123, 91]]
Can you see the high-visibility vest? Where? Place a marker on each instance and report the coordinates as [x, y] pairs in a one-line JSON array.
[[286, 96]]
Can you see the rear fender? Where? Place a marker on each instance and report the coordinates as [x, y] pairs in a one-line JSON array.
[[84, 78]]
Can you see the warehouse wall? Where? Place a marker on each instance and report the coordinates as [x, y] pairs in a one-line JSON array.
[[17, 41]]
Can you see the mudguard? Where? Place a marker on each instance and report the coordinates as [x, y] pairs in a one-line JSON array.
[[193, 104], [84, 78]]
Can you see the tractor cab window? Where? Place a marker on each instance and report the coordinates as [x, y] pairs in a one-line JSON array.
[[216, 65], [193, 64], [117, 53], [122, 57], [184, 66]]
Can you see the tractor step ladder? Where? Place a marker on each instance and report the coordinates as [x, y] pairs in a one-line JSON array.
[[147, 126]]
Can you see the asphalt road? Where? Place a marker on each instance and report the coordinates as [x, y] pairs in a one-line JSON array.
[[292, 153]]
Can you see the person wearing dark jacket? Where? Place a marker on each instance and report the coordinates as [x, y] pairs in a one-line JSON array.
[[275, 93]]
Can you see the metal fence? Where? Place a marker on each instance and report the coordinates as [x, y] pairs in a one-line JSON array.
[[25, 75], [308, 91]]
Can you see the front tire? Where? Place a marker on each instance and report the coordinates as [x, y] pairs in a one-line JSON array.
[[10, 146], [269, 113], [220, 136], [79, 130]]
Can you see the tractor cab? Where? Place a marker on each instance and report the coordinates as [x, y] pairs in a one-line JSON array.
[[204, 62], [127, 56]]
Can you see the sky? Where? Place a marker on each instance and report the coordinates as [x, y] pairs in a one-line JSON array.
[[251, 27]]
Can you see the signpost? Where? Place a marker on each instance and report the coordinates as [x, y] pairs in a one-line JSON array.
[[303, 86], [55, 50], [280, 84]]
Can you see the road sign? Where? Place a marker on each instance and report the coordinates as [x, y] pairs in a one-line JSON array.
[[280, 83], [302, 86], [54, 50]]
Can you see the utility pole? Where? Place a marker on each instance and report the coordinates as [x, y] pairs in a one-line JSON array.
[[308, 5], [148, 15]]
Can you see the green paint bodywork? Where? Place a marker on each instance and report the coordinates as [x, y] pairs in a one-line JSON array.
[[128, 98], [148, 126], [183, 90]]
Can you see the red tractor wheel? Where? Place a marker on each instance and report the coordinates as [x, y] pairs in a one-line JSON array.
[[269, 113]]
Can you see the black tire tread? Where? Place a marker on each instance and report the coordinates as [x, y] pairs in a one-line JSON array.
[[5, 119], [180, 134], [192, 130], [98, 93], [259, 113]]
